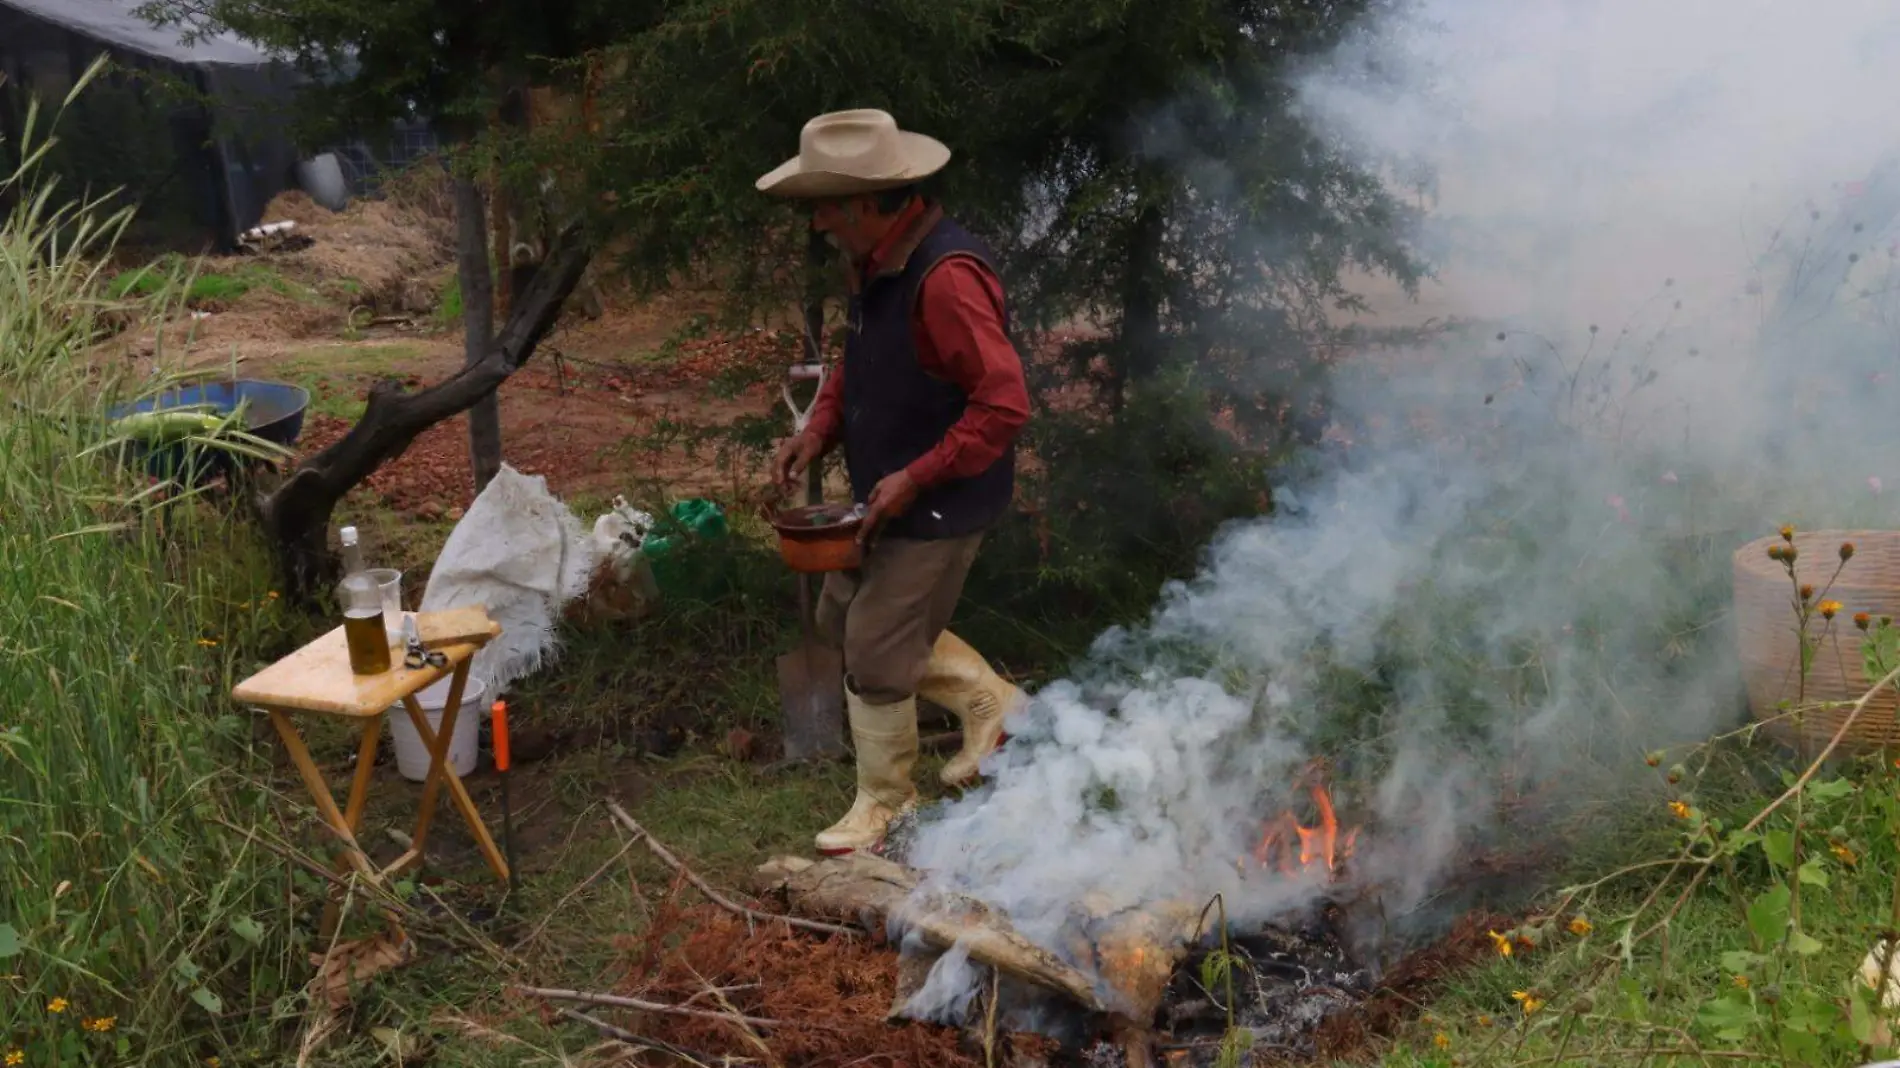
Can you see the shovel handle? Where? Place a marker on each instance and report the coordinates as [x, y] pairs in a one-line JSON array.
[[498, 719]]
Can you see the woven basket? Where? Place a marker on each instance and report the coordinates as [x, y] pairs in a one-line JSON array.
[[1766, 626]]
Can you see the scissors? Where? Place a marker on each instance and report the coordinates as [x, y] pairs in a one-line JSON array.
[[417, 657]]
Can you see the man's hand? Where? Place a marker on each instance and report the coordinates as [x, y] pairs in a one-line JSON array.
[[794, 455], [890, 498]]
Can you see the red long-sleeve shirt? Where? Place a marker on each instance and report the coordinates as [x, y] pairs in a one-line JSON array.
[[958, 330]]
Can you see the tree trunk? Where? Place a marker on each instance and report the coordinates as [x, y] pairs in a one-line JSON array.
[[1140, 354], [297, 514], [478, 325]]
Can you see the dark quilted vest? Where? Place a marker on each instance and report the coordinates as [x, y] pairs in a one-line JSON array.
[[894, 412]]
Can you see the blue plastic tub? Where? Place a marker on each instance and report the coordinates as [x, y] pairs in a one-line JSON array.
[[275, 414]]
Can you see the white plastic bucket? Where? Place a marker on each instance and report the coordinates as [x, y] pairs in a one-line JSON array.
[[322, 178], [412, 757]]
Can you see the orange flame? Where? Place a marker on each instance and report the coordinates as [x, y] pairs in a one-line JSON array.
[[1321, 844]]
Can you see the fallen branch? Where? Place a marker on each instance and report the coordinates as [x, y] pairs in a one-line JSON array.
[[620, 1002], [570, 895], [930, 743], [621, 1034], [667, 858]]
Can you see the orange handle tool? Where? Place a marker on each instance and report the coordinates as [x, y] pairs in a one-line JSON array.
[[498, 719]]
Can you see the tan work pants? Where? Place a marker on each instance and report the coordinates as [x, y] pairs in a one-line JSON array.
[[887, 613]]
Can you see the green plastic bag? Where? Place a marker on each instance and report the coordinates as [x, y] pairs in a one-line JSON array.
[[701, 516], [699, 519]]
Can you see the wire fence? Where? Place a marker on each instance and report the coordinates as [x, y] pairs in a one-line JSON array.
[[367, 163]]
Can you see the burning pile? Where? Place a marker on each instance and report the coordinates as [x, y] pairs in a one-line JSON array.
[[1173, 978], [1318, 844], [1177, 983]]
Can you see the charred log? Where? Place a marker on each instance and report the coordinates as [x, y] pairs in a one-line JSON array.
[[873, 892], [296, 516]]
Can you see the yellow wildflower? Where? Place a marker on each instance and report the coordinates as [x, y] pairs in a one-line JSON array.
[[1807, 592], [1502, 943], [57, 1005], [213, 1061], [1787, 533], [1531, 1002], [15, 1056], [1484, 1019], [1679, 810], [1842, 853], [273, 595], [101, 1024], [1741, 982], [1579, 926], [1863, 620], [1441, 1040], [1829, 609], [208, 643]]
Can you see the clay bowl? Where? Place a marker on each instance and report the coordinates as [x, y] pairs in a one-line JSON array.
[[818, 537]]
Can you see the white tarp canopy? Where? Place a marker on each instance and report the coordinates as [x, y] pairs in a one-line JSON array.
[[116, 22]]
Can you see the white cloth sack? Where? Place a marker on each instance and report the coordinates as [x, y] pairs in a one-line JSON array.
[[520, 553], [620, 533], [623, 586]]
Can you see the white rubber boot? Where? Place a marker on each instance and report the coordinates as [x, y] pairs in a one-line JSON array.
[[886, 740], [960, 680]]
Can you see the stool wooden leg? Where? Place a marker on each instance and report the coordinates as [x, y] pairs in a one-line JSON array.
[[365, 767], [457, 792], [344, 826], [320, 792], [353, 811], [438, 746]]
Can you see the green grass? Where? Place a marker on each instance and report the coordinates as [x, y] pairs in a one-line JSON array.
[[124, 895], [179, 279], [1758, 959], [327, 400], [333, 374], [354, 359], [448, 313]]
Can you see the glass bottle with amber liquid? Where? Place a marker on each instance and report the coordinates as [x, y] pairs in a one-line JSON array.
[[362, 612]]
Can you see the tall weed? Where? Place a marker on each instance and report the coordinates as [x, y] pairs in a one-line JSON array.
[[137, 923]]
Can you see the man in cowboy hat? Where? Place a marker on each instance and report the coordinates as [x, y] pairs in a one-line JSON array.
[[927, 405]]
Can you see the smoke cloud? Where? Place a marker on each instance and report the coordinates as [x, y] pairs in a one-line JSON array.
[[1664, 236]]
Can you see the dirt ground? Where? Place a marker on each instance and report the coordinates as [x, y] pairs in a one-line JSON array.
[[639, 393]]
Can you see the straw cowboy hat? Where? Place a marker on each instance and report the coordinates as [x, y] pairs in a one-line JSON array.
[[844, 153]]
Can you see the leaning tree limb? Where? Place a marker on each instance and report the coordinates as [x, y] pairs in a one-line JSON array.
[[296, 515]]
